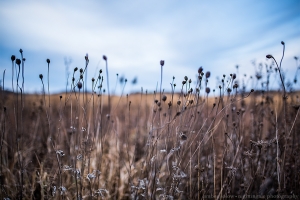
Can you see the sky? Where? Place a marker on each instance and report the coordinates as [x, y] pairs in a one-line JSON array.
[[135, 35]]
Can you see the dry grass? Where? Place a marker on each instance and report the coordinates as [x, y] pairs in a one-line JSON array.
[[83, 145]]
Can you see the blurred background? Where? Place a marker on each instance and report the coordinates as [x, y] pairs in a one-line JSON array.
[[136, 35]]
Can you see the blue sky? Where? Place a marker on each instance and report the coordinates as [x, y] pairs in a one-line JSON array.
[[136, 35]]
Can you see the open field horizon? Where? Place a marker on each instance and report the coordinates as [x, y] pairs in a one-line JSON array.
[[197, 143]]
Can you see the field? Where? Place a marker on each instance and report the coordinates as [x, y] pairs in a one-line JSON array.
[[184, 144]]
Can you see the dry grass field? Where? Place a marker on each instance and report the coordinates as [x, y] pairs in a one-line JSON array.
[[184, 144]]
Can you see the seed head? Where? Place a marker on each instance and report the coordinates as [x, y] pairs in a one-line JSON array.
[[41, 76], [178, 102], [81, 70], [81, 76], [48, 60], [183, 82], [104, 57], [252, 90], [269, 56], [100, 71], [186, 78], [86, 57], [75, 69], [207, 75], [21, 50], [93, 79], [13, 57], [164, 98], [18, 61], [282, 42], [79, 85], [207, 90], [162, 62], [200, 70], [233, 76]]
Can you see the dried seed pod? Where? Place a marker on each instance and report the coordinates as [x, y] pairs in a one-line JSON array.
[[200, 70], [207, 90], [79, 85], [207, 75]]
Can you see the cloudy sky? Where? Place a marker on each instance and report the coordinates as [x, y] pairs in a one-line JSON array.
[[136, 35]]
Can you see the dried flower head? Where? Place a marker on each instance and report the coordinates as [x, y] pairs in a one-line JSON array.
[[86, 57], [200, 70], [41, 76], [207, 90], [233, 76], [21, 51], [207, 75], [164, 98], [104, 57], [162, 62], [18, 61], [282, 42], [79, 85], [13, 57], [75, 69], [269, 56], [48, 60]]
